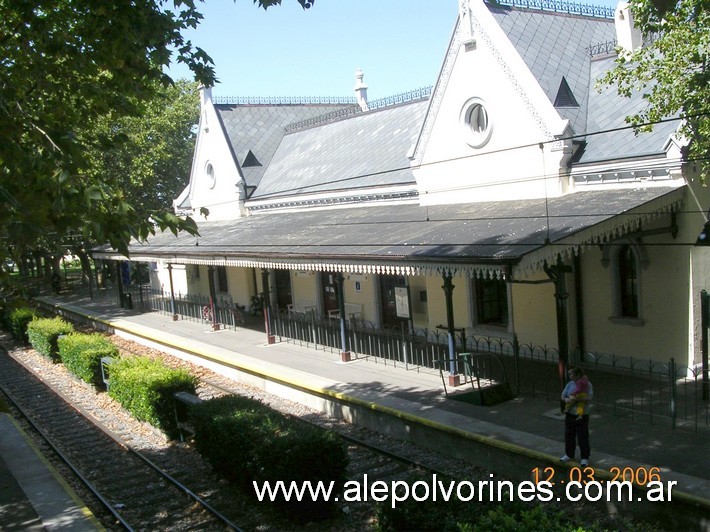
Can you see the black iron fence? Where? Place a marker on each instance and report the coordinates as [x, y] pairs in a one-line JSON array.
[[646, 390], [221, 312], [656, 392]]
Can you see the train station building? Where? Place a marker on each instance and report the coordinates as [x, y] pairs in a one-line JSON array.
[[507, 207]]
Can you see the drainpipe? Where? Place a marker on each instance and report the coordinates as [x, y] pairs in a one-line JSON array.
[[267, 305], [344, 353], [448, 287], [557, 274]]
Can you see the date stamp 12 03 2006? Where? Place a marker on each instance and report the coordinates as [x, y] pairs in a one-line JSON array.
[[618, 478]]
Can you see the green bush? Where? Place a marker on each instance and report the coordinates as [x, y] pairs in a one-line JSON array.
[[146, 387], [428, 514], [82, 354], [246, 442], [43, 333], [226, 435], [458, 516], [17, 321]]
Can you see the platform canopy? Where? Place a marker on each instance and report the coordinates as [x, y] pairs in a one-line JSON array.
[[474, 239]]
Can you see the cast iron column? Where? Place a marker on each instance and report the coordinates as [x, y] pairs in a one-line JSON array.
[[172, 292], [339, 283], [704, 323], [213, 296], [119, 285], [267, 305], [448, 288], [557, 274]]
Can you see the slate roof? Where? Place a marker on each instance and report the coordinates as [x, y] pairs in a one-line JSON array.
[[485, 233], [259, 128], [605, 113], [556, 45], [365, 150]]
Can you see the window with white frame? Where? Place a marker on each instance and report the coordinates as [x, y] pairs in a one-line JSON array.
[[476, 123]]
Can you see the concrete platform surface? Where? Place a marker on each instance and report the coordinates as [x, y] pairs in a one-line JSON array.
[[33, 496], [524, 424]]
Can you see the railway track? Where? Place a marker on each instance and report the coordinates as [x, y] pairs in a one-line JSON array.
[[167, 502], [135, 492]]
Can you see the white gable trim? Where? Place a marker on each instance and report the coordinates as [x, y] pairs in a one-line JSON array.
[[486, 30]]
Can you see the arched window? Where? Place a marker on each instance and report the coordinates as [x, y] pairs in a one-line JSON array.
[[628, 283]]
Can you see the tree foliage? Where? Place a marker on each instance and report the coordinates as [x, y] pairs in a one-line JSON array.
[[70, 70], [65, 65], [672, 71], [306, 4], [148, 157]]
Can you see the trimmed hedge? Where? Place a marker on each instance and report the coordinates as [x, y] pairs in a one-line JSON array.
[[456, 515], [82, 354], [43, 333], [16, 321], [145, 388], [246, 442]]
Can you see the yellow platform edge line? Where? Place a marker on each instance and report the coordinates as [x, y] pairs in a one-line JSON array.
[[166, 340], [86, 512]]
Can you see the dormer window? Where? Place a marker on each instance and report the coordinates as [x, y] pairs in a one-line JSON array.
[[476, 123], [209, 174], [565, 97]]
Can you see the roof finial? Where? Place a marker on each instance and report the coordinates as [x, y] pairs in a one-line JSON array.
[[361, 90]]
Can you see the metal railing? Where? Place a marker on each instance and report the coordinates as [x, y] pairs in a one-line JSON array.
[[647, 390], [644, 390], [222, 312], [650, 390]]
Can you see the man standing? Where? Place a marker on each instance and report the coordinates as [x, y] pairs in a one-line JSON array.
[[577, 426]]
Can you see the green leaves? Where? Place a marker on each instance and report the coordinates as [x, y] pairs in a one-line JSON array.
[[95, 139], [305, 4], [66, 68], [671, 71]]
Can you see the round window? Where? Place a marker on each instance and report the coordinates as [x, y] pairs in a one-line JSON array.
[[475, 122], [209, 173]]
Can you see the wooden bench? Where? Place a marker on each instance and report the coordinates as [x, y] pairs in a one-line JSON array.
[[352, 310], [302, 307]]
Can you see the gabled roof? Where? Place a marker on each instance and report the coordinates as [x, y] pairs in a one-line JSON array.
[[365, 150], [259, 128], [556, 45]]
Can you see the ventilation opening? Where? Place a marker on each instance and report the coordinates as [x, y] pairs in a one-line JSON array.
[[250, 160], [565, 98]]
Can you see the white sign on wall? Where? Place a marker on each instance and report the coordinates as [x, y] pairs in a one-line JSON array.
[[401, 300]]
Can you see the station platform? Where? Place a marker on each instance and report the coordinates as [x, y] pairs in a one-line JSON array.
[[33, 496], [527, 427]]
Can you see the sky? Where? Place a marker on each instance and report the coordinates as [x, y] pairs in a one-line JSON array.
[[289, 51]]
